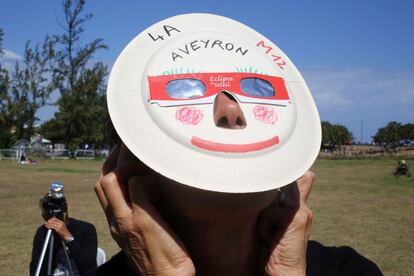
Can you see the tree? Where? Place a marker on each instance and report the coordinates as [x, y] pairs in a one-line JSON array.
[[6, 137], [407, 134], [82, 106], [31, 86], [23, 91], [335, 135], [394, 134], [1, 41], [88, 116], [389, 136]]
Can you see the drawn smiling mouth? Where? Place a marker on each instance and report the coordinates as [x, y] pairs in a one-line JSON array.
[[234, 148]]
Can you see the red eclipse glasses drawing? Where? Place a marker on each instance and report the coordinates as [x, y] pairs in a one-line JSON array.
[[201, 88]]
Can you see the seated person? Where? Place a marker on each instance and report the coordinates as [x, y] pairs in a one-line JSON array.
[[401, 169], [78, 236]]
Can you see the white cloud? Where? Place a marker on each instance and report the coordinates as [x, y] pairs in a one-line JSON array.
[[10, 55], [352, 96], [9, 58]]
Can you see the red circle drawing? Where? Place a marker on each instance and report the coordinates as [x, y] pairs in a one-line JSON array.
[[189, 115], [265, 114]]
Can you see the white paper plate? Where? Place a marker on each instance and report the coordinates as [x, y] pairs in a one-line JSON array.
[[181, 141]]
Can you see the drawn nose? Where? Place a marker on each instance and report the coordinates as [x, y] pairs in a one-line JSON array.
[[227, 112]]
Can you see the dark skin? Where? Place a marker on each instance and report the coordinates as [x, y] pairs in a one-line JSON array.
[[58, 226], [168, 228], [150, 219]]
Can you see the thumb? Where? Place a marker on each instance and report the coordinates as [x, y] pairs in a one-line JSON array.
[[305, 184]]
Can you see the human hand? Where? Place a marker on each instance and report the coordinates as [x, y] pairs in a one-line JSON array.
[[60, 228], [152, 248], [285, 226]]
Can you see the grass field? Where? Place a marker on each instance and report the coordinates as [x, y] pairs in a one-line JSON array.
[[355, 202]]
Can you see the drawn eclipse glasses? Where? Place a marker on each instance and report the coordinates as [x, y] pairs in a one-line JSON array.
[[202, 88]]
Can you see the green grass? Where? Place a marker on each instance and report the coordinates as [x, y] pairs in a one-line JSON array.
[[21, 186], [356, 202], [361, 204]]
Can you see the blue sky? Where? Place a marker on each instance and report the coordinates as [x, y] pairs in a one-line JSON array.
[[356, 56]]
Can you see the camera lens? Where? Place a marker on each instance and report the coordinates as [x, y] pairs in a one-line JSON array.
[[56, 190]]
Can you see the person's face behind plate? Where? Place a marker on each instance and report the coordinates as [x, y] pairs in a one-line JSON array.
[[185, 202], [177, 200], [191, 203]]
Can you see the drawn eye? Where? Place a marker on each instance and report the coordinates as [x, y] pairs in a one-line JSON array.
[[256, 87], [185, 88]]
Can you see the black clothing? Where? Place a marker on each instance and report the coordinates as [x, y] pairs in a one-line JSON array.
[[337, 261], [321, 260], [401, 169], [82, 249], [117, 265]]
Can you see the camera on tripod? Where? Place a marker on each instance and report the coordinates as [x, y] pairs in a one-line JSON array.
[[54, 203]]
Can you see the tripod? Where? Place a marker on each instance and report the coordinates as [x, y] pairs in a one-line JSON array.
[[50, 238]]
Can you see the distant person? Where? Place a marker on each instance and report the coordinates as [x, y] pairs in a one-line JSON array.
[[79, 237], [401, 169]]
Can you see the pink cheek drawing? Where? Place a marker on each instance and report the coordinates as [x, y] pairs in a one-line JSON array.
[[189, 115], [265, 114]]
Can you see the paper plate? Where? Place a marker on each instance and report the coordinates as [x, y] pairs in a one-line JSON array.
[[162, 97]]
